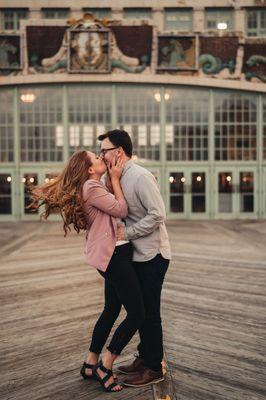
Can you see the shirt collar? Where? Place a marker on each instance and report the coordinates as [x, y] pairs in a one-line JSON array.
[[128, 165]]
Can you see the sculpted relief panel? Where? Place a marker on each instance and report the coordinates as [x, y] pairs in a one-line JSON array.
[[92, 46]]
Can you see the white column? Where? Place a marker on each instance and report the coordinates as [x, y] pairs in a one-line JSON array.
[[239, 20], [198, 20], [117, 13], [76, 13], [35, 13], [158, 18]]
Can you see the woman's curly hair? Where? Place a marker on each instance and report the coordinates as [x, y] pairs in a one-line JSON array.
[[64, 193]]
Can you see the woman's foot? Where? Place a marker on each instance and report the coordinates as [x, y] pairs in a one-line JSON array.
[[87, 371], [106, 378]]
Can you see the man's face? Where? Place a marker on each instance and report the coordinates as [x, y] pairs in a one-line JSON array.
[[108, 150]]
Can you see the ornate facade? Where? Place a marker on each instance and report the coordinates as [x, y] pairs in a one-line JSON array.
[[186, 79]]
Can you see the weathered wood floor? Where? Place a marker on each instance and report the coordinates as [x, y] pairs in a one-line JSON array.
[[213, 314]]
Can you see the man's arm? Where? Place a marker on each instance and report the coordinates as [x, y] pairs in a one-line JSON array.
[[151, 199]]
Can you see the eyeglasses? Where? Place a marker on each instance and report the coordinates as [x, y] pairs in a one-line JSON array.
[[104, 151]]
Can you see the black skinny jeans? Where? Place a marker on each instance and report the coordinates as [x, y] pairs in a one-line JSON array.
[[121, 288], [151, 276]]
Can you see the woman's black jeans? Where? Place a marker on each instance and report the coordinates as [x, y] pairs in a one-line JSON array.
[[121, 288]]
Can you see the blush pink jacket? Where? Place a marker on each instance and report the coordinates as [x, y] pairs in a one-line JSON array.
[[101, 209]]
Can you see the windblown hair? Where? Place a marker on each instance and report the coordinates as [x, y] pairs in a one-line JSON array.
[[65, 193]]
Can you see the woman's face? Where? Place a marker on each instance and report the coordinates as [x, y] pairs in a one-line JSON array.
[[98, 165]]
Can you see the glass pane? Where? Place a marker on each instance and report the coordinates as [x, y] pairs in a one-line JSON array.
[[246, 189], [186, 130], [55, 13], [225, 192], [235, 126], [11, 17], [6, 126], [29, 180], [264, 127], [99, 13], [198, 192], [177, 186], [41, 126], [5, 194], [138, 113], [142, 13], [89, 113], [177, 181], [178, 19], [177, 204], [256, 22]]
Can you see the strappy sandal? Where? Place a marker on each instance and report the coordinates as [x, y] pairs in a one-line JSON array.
[[84, 375], [102, 381]]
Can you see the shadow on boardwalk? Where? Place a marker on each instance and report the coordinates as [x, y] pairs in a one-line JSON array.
[[213, 313]]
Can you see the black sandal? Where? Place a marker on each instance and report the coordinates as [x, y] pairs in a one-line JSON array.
[[108, 375], [83, 374]]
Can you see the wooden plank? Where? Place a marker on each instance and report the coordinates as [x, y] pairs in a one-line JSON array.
[[165, 390], [213, 311]]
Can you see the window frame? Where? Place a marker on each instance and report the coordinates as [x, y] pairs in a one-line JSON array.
[[217, 12], [258, 29], [16, 17], [187, 10]]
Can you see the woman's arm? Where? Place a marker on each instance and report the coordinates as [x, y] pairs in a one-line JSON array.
[[98, 196]]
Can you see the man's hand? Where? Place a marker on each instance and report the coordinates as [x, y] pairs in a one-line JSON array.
[[115, 168], [121, 233]]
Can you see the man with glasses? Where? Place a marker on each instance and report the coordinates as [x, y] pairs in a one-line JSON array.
[[145, 228]]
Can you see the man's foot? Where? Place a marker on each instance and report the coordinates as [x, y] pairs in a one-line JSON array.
[[145, 377], [136, 366]]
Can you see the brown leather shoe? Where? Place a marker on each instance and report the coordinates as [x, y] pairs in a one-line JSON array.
[[133, 368], [145, 377]]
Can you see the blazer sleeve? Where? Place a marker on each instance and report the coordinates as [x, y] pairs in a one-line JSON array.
[[97, 195]]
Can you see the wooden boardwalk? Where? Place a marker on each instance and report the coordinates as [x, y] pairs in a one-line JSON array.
[[213, 314]]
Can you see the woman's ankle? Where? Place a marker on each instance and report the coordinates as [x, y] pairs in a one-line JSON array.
[[108, 360], [92, 358]]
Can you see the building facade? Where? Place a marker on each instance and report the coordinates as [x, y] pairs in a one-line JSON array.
[[185, 78]]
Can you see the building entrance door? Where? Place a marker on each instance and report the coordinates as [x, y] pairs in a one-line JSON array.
[[6, 194], [235, 192], [187, 193]]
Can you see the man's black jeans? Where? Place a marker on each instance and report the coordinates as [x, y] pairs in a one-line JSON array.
[[121, 288], [151, 276]]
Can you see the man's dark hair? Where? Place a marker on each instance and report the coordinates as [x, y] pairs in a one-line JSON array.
[[119, 138]]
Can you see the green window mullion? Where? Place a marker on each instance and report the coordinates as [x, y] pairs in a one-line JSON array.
[[260, 150], [65, 121]]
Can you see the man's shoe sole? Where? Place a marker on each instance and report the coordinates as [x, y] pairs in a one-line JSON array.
[[144, 384]]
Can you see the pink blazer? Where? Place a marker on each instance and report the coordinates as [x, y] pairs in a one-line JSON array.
[[101, 209]]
